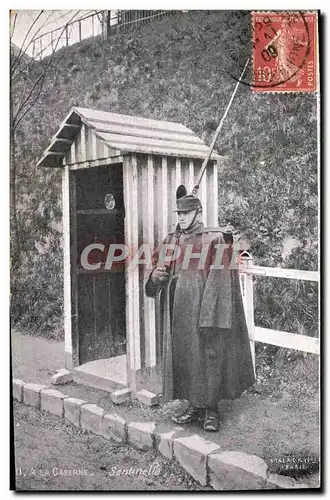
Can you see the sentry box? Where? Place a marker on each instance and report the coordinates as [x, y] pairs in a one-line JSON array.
[[120, 176]]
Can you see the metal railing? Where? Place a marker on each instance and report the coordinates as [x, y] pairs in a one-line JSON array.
[[102, 23]]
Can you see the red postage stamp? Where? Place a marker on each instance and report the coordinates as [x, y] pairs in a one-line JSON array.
[[284, 51]]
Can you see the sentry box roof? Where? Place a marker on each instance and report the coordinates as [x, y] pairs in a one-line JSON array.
[[125, 134]]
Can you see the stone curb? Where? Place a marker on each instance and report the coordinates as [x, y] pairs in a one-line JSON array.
[[202, 459], [51, 400], [91, 417], [18, 386], [224, 467], [72, 410], [114, 427], [192, 453], [164, 440], [141, 435], [31, 394]]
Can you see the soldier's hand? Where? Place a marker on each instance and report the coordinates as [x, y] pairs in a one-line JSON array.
[[240, 260], [159, 275]]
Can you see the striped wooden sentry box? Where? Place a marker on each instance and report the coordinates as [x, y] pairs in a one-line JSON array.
[[143, 161]]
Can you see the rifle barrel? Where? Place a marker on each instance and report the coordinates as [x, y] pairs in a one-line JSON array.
[[217, 132]]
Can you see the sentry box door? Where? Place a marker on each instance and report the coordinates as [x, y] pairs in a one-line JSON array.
[[100, 300]]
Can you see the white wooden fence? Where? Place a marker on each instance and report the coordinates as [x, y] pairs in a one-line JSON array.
[[267, 335]]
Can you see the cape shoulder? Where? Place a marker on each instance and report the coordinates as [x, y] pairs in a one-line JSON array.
[[224, 230], [222, 234], [212, 233], [226, 234], [206, 229]]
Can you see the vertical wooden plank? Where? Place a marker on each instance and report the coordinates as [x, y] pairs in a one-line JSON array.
[[142, 209], [73, 265], [248, 303], [88, 143], [67, 268], [135, 270], [132, 278], [203, 198], [93, 146], [209, 195], [128, 280], [191, 176], [171, 192], [215, 215], [83, 155], [191, 182], [163, 195], [71, 342], [185, 173], [149, 304], [73, 153], [130, 359], [157, 207], [212, 196], [177, 173], [160, 229], [99, 148], [105, 153], [67, 158], [77, 145]]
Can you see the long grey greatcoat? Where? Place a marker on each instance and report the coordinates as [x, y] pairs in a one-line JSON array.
[[206, 354]]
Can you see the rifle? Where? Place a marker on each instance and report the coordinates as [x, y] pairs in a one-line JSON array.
[[216, 134]]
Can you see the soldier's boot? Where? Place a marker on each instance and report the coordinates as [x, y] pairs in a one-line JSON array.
[[212, 420], [191, 414]]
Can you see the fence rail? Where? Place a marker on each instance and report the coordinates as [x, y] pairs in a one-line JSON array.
[[102, 23], [277, 272], [266, 335]]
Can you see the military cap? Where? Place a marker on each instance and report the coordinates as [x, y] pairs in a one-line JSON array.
[[187, 203]]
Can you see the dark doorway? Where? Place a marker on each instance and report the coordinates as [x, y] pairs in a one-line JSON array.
[[100, 218]]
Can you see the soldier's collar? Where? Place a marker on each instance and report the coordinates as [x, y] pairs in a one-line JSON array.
[[198, 230]]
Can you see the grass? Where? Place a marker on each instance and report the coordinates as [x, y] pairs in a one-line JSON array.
[[179, 69]]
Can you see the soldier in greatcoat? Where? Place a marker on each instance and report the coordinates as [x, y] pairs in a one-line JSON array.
[[206, 354]]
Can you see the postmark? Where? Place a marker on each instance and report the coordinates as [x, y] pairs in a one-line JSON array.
[[284, 48]]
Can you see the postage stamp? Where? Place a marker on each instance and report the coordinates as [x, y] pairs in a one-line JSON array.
[[284, 51]]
